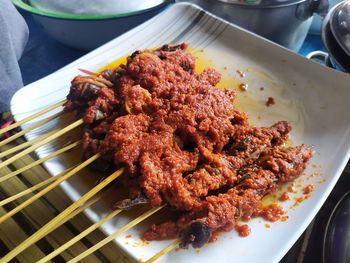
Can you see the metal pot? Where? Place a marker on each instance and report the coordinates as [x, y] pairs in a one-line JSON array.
[[285, 22], [335, 36], [87, 31], [336, 241]]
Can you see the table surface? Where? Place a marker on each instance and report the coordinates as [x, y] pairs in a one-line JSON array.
[[42, 56]]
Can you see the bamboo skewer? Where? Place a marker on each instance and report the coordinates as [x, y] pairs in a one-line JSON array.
[[26, 144], [74, 209], [37, 162], [115, 234], [163, 251], [49, 188], [80, 236], [77, 211], [36, 125], [54, 222], [33, 116], [41, 143], [33, 188]]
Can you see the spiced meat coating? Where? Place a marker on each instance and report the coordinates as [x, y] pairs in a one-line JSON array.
[[183, 142]]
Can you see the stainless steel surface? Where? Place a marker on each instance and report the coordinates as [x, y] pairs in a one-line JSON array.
[[321, 58], [85, 32], [263, 3], [340, 25], [285, 22], [336, 246]]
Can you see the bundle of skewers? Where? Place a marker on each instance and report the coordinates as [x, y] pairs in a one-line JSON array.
[[173, 139]]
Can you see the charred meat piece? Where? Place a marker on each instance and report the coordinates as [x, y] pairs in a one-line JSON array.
[[197, 234]]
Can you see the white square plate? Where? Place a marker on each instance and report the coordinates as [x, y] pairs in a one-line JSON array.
[[313, 98]]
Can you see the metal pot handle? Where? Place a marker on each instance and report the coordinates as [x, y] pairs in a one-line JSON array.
[[320, 57], [320, 7], [306, 10]]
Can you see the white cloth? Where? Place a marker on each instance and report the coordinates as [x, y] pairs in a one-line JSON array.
[[94, 7], [13, 38]]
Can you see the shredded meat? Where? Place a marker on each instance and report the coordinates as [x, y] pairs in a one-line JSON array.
[[183, 142]]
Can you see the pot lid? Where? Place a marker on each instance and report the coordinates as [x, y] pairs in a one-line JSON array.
[[264, 3], [336, 246], [340, 25]]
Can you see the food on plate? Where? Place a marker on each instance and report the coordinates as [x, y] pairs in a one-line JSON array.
[[183, 142]]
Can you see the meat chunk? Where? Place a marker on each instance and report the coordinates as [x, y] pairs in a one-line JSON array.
[[165, 230], [286, 162]]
